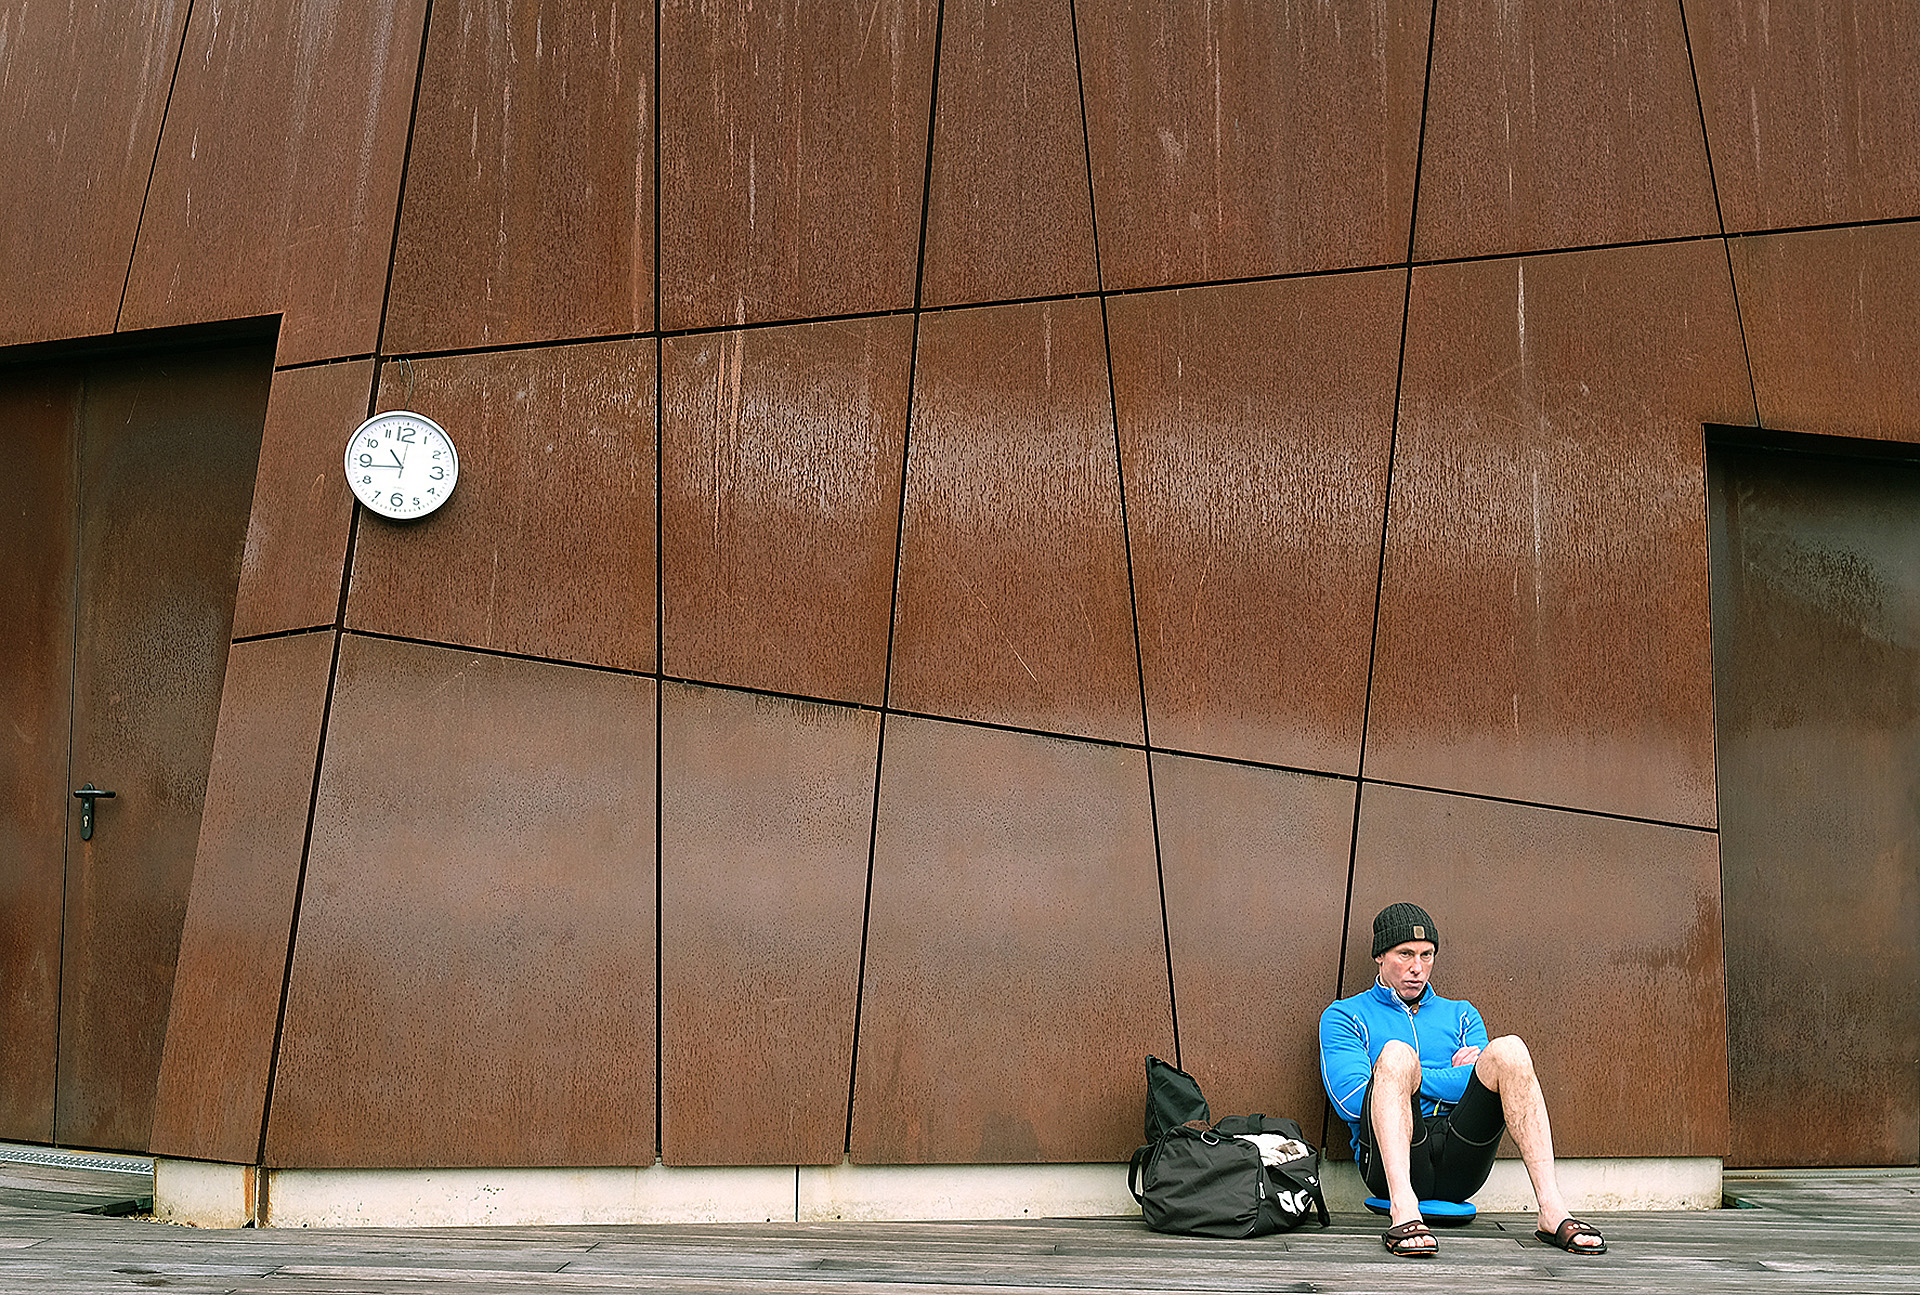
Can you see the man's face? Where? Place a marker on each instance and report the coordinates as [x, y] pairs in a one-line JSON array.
[[1406, 968]]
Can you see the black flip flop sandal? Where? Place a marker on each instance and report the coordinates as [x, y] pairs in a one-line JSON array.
[[1562, 1237], [1395, 1240]]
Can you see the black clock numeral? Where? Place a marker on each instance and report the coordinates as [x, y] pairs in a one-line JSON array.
[[405, 434], [366, 481], [438, 474], [436, 454], [398, 501], [416, 503], [366, 460]]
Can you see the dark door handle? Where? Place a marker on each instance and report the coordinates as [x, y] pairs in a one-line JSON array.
[[86, 796]]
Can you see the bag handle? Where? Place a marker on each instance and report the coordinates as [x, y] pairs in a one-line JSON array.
[[1133, 1171]]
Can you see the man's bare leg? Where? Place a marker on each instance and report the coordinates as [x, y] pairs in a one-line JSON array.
[[1396, 1078], [1506, 1067]]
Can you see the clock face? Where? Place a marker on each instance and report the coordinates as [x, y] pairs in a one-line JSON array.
[[401, 464]]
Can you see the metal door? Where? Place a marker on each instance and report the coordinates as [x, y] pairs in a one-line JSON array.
[[135, 562], [39, 520], [1816, 638]]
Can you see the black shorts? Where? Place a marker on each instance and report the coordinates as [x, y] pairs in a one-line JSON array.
[[1451, 1155]]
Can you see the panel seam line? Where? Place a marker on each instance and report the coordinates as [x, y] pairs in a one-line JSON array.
[[1386, 513], [153, 168]]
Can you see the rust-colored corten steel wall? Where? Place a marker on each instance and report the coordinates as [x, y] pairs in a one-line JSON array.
[[991, 537]]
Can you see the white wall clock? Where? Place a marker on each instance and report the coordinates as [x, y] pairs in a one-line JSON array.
[[401, 464]]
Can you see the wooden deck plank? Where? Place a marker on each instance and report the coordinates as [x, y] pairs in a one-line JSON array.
[[67, 1190], [1811, 1234]]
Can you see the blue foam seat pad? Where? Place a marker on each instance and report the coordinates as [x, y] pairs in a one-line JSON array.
[[1440, 1213]]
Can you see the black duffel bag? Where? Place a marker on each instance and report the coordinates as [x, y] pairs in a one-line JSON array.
[[1173, 1097], [1210, 1182]]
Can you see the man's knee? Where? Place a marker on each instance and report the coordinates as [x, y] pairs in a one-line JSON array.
[[1398, 1065], [1506, 1056]]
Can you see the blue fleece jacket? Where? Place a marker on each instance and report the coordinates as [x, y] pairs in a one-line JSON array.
[[1353, 1030]]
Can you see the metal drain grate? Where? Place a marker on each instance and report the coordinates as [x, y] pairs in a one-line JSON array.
[[12, 1155]]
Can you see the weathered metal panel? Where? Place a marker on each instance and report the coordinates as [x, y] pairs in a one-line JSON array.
[[1254, 424], [473, 982], [1560, 126], [1016, 967], [82, 90], [546, 548], [278, 175], [1595, 939], [793, 154], [529, 204], [766, 814], [1543, 614], [1244, 138], [1831, 331], [1813, 111], [781, 455], [1013, 604], [296, 550], [1008, 211], [1254, 863], [225, 1009]]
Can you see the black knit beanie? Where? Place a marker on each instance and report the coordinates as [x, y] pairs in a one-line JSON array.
[[1399, 923]]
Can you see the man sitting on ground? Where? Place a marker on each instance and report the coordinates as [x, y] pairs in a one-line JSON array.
[[1427, 1095]]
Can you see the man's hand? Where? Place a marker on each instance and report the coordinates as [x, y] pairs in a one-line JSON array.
[[1466, 1056]]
